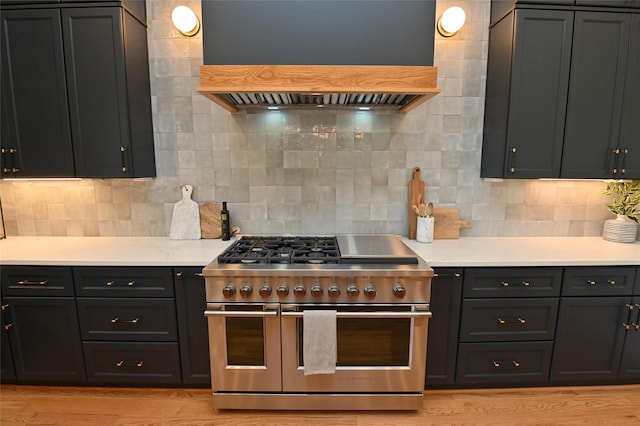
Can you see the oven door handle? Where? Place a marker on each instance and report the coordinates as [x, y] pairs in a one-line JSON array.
[[382, 314], [272, 311]]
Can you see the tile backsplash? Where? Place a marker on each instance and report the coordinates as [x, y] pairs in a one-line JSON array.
[[309, 171]]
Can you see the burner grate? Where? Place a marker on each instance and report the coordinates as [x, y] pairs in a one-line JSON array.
[[282, 250]]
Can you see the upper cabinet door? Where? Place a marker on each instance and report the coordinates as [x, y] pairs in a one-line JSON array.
[[598, 67], [628, 164], [539, 81], [94, 57], [609, 3], [37, 137]]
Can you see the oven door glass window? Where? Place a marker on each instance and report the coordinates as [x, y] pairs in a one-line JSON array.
[[245, 338], [369, 342], [244, 344]]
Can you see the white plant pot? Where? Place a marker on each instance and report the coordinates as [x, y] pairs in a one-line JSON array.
[[620, 230]]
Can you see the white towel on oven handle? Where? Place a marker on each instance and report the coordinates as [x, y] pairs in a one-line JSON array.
[[319, 342]]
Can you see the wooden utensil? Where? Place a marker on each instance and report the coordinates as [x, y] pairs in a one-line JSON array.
[[447, 223], [416, 197], [210, 222]]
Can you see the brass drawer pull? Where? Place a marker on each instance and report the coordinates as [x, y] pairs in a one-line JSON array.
[[508, 284], [516, 321], [111, 283], [8, 326], [132, 321], [5, 306], [31, 282], [121, 363], [182, 274]]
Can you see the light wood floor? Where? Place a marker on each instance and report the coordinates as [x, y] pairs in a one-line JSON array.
[[606, 405]]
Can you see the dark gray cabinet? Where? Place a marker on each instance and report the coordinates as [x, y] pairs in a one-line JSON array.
[[42, 324], [628, 155], [594, 108], [104, 326], [507, 325], [630, 361], [192, 326], [442, 345], [7, 371], [526, 95], [36, 138], [76, 82], [609, 3], [128, 325], [596, 339], [561, 93]]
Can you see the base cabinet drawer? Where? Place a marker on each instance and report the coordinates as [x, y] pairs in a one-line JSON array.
[[134, 319], [599, 281], [132, 363], [123, 282], [500, 320], [522, 362], [512, 282]]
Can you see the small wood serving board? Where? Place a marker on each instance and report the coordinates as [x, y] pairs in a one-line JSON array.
[[210, 221], [447, 223]]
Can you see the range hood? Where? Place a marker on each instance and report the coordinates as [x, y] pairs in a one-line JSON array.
[[316, 53], [402, 88]]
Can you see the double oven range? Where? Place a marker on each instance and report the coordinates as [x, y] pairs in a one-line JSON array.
[[257, 292]]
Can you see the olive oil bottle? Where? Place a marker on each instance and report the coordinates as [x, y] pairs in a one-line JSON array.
[[224, 221]]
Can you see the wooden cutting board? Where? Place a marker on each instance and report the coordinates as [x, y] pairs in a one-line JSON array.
[[210, 221], [447, 224], [416, 196]]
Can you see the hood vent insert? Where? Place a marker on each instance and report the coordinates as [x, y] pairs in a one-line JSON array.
[[353, 86], [329, 100]]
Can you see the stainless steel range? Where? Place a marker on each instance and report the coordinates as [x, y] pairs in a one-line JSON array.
[[265, 296]]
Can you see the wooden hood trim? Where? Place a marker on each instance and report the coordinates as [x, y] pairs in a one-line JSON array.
[[216, 80]]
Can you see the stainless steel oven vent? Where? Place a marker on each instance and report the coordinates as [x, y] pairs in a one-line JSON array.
[[351, 100]]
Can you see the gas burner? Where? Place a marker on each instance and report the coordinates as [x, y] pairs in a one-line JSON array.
[[282, 250]]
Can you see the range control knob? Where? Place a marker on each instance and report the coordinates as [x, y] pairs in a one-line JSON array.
[[370, 290], [246, 290], [228, 290], [282, 290], [299, 290], [265, 290], [353, 290], [399, 290], [333, 290], [316, 290]]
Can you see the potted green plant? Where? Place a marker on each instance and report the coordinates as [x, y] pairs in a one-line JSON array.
[[625, 204]]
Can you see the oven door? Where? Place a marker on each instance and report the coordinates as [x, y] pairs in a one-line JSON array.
[[380, 348], [244, 346]]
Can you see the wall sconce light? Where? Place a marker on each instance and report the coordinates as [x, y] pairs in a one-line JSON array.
[[185, 21], [451, 21]]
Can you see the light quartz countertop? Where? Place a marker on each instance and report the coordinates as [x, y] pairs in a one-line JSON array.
[[464, 252]]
